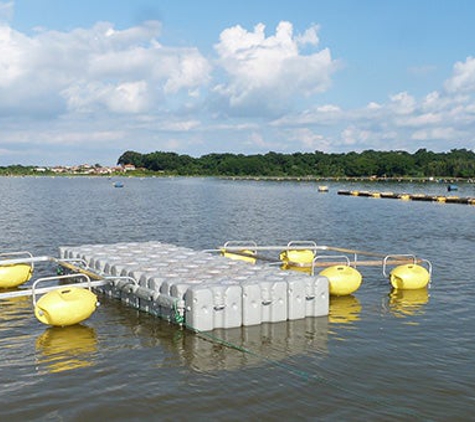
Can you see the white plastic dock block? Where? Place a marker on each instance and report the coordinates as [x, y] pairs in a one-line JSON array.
[[207, 291], [317, 296]]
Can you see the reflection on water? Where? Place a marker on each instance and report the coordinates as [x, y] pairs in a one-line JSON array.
[[223, 349], [403, 303], [344, 309], [64, 348], [15, 308]]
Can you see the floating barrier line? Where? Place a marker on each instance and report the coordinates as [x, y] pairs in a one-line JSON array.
[[411, 197]]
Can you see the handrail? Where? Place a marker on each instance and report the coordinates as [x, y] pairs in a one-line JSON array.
[[16, 254], [60, 277], [322, 257], [385, 260], [242, 244], [308, 244]]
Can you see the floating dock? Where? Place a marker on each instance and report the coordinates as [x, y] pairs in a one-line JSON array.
[[200, 290], [451, 199]]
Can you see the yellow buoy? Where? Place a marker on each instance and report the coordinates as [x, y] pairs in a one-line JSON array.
[[67, 306], [409, 276], [14, 275], [245, 255], [297, 259], [404, 197], [343, 280]]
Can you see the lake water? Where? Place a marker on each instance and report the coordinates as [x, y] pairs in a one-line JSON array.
[[378, 356]]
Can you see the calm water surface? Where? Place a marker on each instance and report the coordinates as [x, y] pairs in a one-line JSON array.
[[378, 356]]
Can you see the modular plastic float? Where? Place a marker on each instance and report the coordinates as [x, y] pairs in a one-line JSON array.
[[202, 290]]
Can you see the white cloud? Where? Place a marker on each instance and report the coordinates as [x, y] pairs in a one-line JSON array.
[[373, 106], [420, 120], [353, 135], [124, 71], [438, 133], [329, 108], [101, 87], [463, 78], [257, 140], [308, 140], [15, 51], [266, 73], [402, 103], [310, 36]]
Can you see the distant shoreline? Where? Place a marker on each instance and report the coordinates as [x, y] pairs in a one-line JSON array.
[[132, 174]]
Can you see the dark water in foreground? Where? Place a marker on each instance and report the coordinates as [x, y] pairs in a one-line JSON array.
[[377, 357]]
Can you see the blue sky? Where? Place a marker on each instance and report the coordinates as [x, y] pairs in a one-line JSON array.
[[83, 82]]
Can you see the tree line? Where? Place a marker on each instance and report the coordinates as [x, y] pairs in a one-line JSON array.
[[457, 163]]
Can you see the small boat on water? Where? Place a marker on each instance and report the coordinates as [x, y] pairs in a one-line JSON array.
[[451, 188], [118, 185], [322, 188]]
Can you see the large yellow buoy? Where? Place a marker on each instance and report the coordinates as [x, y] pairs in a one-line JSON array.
[[14, 275], [297, 259], [67, 306], [343, 280], [245, 255], [409, 276]]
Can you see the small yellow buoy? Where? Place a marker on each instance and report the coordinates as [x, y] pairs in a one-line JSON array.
[[343, 280], [67, 306], [404, 197], [297, 259], [14, 275], [409, 276], [245, 255]]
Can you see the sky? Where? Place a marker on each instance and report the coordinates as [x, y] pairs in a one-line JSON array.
[[83, 82]]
